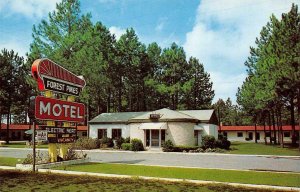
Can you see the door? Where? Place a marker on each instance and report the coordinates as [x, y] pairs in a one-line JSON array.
[[154, 138]]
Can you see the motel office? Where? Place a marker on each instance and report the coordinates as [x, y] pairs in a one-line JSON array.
[[153, 128]]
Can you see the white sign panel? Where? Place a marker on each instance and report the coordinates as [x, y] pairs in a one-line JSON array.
[[41, 135]]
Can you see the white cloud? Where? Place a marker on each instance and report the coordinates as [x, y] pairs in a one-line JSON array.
[[117, 31], [226, 86], [161, 24], [28, 8], [14, 44], [223, 32]]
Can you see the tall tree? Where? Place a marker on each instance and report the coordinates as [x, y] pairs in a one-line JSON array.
[[13, 89]]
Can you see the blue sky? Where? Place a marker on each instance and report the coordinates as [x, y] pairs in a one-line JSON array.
[[217, 32]]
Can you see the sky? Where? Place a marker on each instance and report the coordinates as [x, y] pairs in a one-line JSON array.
[[217, 32]]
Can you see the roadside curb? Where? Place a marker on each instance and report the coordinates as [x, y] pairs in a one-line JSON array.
[[7, 167], [160, 152], [172, 180]]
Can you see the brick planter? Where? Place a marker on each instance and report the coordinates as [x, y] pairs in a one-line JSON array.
[[29, 167]]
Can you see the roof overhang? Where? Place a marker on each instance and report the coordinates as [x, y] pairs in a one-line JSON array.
[[199, 128], [153, 125]]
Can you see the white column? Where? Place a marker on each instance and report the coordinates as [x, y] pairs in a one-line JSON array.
[[159, 138], [150, 142]]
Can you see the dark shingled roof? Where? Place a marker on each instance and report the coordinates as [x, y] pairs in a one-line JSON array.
[[121, 117]]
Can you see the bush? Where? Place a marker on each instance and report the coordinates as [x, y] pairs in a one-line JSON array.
[[127, 140], [106, 142], [208, 141], [137, 145], [40, 158], [86, 143], [167, 146], [223, 143], [119, 142], [126, 146]]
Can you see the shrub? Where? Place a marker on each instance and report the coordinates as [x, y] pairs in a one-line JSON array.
[[106, 142], [208, 141], [223, 143], [40, 158], [127, 140], [167, 146], [86, 143], [137, 145], [119, 142], [126, 146]]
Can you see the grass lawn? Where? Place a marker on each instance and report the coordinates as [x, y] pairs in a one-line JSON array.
[[22, 145], [249, 177], [28, 181], [9, 161], [262, 149]]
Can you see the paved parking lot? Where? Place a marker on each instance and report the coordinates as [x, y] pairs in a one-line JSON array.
[[201, 160]]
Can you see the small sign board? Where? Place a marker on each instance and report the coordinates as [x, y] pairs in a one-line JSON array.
[[41, 135], [61, 134]]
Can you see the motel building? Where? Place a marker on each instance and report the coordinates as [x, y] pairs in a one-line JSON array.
[[247, 133], [153, 128]]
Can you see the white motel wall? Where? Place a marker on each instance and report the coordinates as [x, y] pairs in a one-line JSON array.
[[93, 131], [247, 133]]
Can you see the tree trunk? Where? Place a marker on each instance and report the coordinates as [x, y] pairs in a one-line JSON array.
[[255, 133], [270, 129], [292, 110], [274, 128], [281, 132], [265, 138], [108, 101], [120, 95], [7, 125], [298, 101]]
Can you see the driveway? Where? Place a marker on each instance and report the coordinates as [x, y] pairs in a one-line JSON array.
[[200, 160]]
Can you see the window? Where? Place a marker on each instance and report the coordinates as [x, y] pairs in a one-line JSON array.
[[84, 134], [116, 133], [239, 134], [287, 134], [257, 136], [268, 134], [102, 133]]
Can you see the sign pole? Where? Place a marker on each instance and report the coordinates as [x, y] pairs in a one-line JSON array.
[[33, 139], [51, 146]]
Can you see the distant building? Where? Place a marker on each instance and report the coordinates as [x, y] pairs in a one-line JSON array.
[[184, 127], [247, 133], [17, 132]]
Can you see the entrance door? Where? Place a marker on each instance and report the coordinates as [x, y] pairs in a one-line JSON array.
[[155, 138]]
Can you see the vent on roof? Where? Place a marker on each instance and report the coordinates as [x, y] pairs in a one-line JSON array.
[[154, 116]]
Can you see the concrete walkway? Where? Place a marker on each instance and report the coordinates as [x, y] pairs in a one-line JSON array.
[[267, 187]]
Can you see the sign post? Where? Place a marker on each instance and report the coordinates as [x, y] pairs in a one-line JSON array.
[[33, 140], [52, 78]]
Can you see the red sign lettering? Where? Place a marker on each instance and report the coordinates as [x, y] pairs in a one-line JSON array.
[[58, 110]]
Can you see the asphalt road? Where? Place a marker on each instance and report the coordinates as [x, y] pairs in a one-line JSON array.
[[201, 160]]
